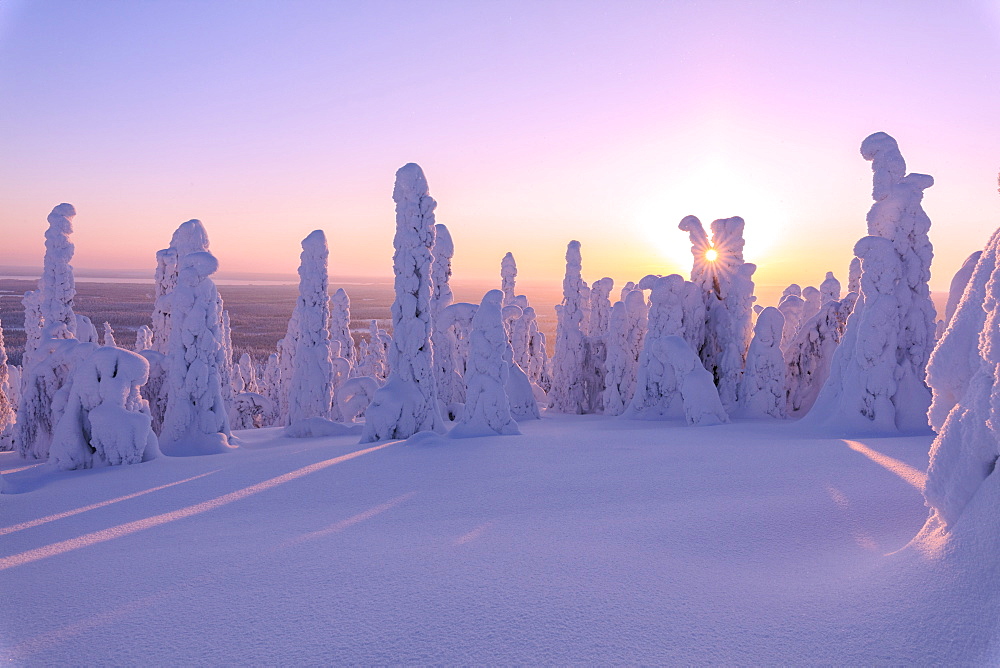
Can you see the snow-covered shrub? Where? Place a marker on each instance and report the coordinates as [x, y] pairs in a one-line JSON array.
[[105, 421], [487, 408], [86, 332], [408, 402], [762, 387], [143, 339], [109, 336], [196, 420], [354, 397], [250, 411]]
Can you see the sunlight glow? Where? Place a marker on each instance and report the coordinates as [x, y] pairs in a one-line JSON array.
[[711, 255], [121, 530]]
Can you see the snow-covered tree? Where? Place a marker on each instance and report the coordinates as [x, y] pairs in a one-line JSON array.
[[964, 374], [762, 387], [408, 402], [487, 408], [189, 237], [858, 395], [86, 332], [829, 289], [809, 354], [626, 330], [812, 302], [226, 368], [109, 336], [271, 390], [448, 380], [340, 325], [143, 339], [569, 388], [196, 420], [7, 412], [898, 216], [57, 287], [105, 421], [373, 354], [792, 308], [310, 388], [508, 275]]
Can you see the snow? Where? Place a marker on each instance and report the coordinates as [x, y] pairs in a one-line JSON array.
[[587, 540], [7, 403], [762, 386], [569, 387]]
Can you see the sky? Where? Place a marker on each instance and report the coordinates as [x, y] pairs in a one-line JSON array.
[[535, 122]]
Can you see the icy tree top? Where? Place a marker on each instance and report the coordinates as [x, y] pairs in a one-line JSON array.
[[189, 237], [887, 163], [769, 326], [830, 288]]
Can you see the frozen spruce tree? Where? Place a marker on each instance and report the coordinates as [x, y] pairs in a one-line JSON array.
[[957, 356], [656, 390], [858, 395], [813, 301], [964, 374], [340, 325], [109, 336], [792, 308], [809, 354], [143, 339], [196, 420], [626, 330], [487, 408], [189, 237], [105, 421], [310, 387], [569, 389], [897, 215], [408, 402], [762, 387], [508, 274], [829, 289], [7, 413], [441, 298]]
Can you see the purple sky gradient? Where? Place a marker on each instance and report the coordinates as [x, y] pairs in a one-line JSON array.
[[535, 122]]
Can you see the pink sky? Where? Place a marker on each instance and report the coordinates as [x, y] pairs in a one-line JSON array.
[[535, 122]]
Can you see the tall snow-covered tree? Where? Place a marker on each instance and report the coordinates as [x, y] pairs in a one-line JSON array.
[[487, 407], [7, 412], [508, 275], [196, 420], [310, 388], [958, 283], [569, 389], [340, 325], [897, 215], [447, 378], [189, 237], [408, 402]]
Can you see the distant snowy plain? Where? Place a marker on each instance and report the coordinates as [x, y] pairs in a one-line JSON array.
[[588, 539]]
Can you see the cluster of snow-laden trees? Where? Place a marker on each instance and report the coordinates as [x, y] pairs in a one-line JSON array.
[[696, 348]]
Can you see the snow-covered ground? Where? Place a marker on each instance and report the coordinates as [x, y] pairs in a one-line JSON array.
[[588, 539]]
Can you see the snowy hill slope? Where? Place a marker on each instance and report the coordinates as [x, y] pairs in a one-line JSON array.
[[588, 539]]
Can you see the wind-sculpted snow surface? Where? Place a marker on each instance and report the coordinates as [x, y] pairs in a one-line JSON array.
[[105, 421], [858, 396], [408, 402], [487, 408], [898, 216], [196, 420], [762, 387], [569, 388], [310, 388]]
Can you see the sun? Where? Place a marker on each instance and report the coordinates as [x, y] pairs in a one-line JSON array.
[[711, 255]]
